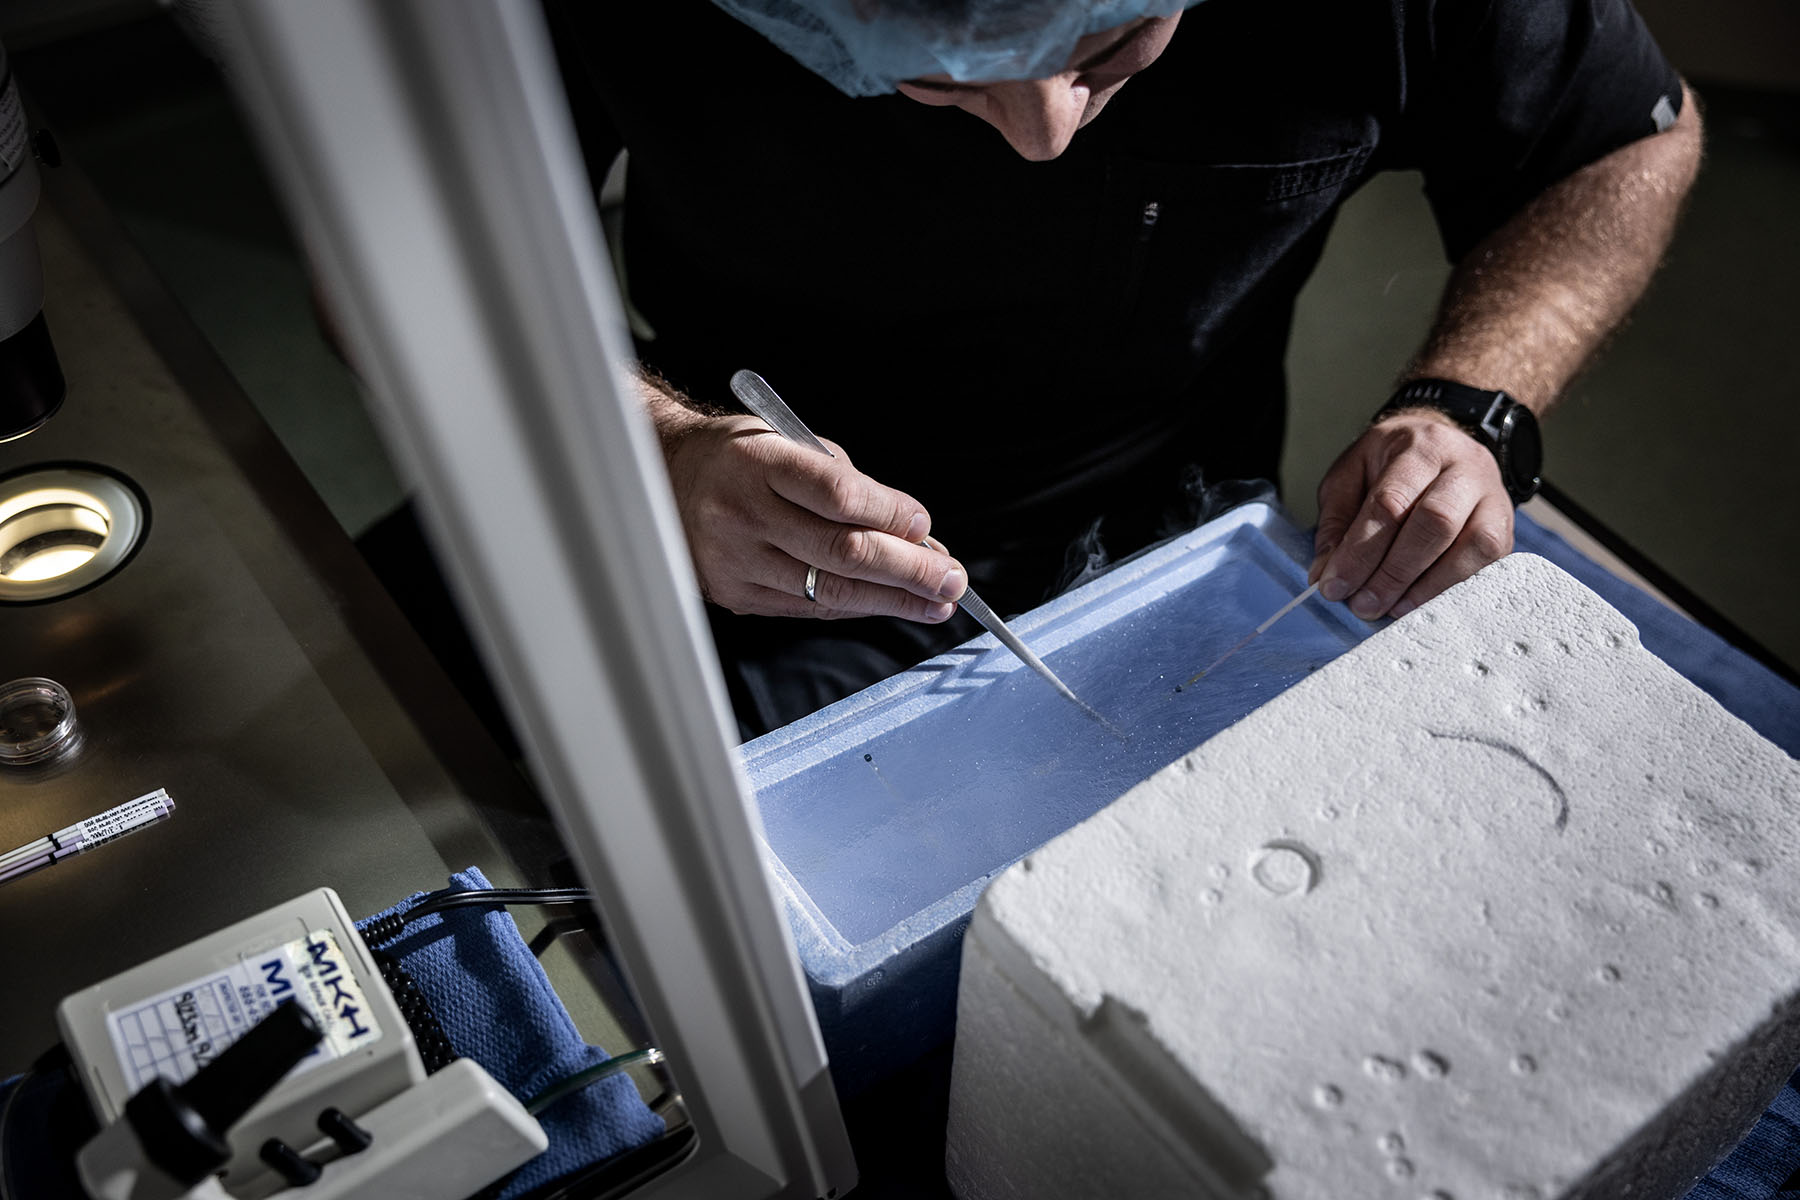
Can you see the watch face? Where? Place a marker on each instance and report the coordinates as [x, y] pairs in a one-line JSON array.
[[1524, 450]]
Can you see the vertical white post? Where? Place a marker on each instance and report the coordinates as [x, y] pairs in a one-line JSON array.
[[427, 156]]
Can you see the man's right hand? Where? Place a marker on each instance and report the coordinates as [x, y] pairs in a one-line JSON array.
[[759, 510]]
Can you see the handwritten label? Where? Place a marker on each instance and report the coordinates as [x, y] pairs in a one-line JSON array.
[[176, 1033]]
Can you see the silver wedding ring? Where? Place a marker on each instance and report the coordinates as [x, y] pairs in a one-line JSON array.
[[812, 584]]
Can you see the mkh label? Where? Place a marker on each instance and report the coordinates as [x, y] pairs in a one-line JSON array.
[[176, 1033]]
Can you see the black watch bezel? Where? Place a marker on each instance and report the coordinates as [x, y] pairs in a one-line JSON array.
[[1507, 428]]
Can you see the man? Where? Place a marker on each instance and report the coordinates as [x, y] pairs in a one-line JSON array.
[[1038, 286]]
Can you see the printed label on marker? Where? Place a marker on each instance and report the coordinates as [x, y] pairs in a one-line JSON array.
[[117, 822], [176, 1033]]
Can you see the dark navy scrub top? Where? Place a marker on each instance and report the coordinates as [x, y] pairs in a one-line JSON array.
[[1027, 346]]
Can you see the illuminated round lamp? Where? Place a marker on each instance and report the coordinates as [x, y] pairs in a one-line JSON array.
[[63, 529]]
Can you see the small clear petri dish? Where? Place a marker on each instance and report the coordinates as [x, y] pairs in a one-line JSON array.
[[37, 721]]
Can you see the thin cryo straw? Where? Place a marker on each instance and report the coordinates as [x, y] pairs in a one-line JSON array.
[[43, 845], [94, 831], [1285, 609], [83, 836], [14, 870]]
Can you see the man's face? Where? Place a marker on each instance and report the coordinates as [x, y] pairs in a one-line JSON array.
[[1039, 117]]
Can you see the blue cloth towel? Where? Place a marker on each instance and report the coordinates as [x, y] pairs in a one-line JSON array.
[[1764, 1159], [498, 1008]]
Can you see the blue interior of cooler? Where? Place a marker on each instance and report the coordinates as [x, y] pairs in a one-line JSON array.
[[885, 813]]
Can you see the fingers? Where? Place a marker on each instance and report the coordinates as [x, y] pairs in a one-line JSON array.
[[1370, 535], [1486, 538], [1340, 496], [843, 522], [869, 556], [758, 510], [837, 491], [854, 597], [1414, 507], [776, 586], [1430, 526]]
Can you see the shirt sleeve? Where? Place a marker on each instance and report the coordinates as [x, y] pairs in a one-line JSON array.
[[1506, 97]]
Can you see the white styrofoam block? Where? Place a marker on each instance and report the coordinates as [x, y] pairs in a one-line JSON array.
[[1497, 905]]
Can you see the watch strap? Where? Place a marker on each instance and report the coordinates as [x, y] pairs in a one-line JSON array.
[[1478, 410], [1483, 413]]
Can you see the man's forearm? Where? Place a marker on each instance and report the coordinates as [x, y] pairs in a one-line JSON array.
[[673, 413], [1527, 308], [1415, 505]]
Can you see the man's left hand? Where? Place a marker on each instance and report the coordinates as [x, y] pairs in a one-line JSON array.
[[1414, 506]]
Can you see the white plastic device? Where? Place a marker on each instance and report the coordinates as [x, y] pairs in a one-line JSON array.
[[175, 1013], [446, 1137]]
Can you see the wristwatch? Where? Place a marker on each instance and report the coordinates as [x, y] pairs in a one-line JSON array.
[[1507, 428]]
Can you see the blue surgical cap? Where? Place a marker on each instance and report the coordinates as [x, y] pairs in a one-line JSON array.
[[865, 47]]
